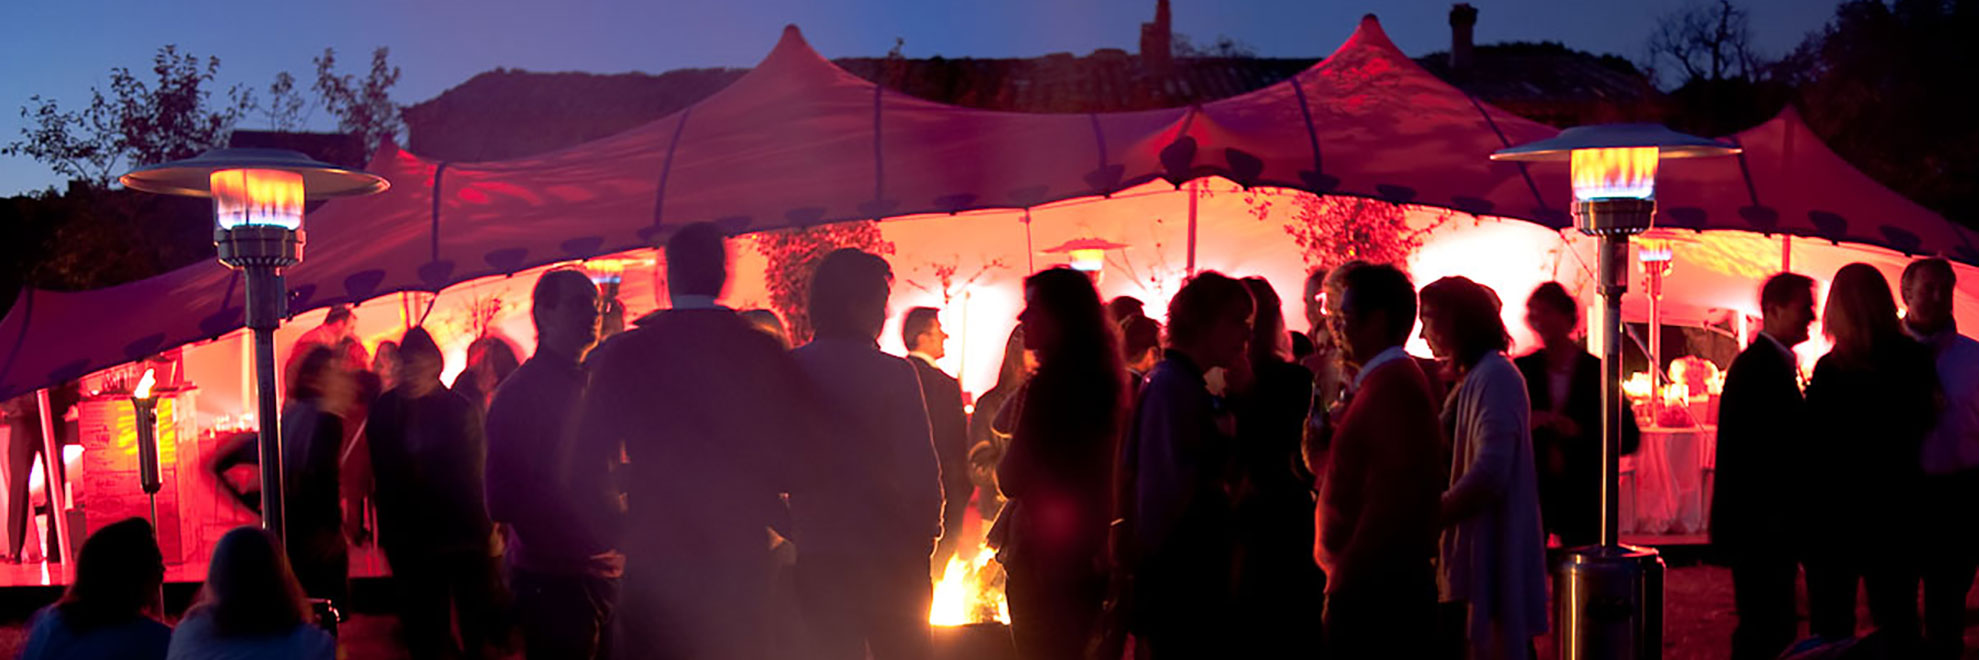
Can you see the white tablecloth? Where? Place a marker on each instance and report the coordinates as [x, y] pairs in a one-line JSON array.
[[1669, 492]]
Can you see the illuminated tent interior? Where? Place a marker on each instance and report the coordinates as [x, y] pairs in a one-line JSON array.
[[980, 195]]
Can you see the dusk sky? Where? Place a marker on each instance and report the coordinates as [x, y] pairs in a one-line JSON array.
[[60, 48]]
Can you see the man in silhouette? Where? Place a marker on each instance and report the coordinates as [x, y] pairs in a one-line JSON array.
[[1760, 412], [922, 334], [866, 522], [1379, 473], [707, 410], [565, 577], [428, 454], [1948, 456]]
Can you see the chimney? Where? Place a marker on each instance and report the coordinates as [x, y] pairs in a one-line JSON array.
[[1155, 55], [1463, 17]]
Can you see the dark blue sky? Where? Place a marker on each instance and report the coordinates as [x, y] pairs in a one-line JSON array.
[[60, 48]]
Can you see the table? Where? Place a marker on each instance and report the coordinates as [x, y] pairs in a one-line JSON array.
[[1667, 485]]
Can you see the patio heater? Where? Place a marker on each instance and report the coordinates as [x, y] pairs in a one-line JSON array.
[[145, 418], [1610, 595], [1086, 255], [258, 197]]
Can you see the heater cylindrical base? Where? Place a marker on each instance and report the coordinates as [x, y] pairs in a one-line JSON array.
[[1613, 215], [267, 246], [1610, 602]]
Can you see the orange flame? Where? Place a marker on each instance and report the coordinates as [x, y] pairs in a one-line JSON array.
[[257, 197], [1614, 172], [970, 591], [143, 390]]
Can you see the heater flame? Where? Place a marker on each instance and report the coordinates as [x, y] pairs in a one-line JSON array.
[[1088, 260], [257, 197], [143, 390], [1627, 172], [970, 591]]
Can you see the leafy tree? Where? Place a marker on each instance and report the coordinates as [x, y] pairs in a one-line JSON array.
[[135, 123], [1889, 86], [363, 107], [284, 110], [794, 255]]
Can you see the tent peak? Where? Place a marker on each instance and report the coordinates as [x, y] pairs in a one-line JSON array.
[[1370, 33]]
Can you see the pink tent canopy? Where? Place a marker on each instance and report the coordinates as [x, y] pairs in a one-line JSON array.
[[798, 141]]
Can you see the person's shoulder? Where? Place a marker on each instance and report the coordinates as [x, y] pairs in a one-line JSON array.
[[311, 643]]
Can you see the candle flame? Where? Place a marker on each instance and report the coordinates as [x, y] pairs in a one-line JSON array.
[[144, 384], [1614, 172], [257, 197]]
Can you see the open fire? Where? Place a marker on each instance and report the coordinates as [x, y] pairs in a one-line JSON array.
[[971, 590]]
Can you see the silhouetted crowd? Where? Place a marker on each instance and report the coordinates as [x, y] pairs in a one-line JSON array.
[[1205, 486]]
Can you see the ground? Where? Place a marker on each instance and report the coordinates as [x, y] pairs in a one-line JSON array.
[[1698, 622]]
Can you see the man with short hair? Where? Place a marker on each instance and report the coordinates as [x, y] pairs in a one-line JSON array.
[[565, 577], [429, 456], [1379, 474], [867, 520], [337, 332], [707, 409], [1141, 347], [1949, 454], [1181, 454], [1755, 491], [922, 334]]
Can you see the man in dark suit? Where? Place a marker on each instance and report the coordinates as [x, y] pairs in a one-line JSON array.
[[921, 332], [1759, 415]]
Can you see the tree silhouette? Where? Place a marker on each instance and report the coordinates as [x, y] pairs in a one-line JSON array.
[[135, 123]]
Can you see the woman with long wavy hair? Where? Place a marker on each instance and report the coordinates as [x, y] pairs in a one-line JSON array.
[[1058, 468], [1278, 588], [1871, 401]]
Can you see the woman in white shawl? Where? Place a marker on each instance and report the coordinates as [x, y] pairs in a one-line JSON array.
[[1491, 573]]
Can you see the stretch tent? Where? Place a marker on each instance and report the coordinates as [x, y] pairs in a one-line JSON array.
[[798, 141]]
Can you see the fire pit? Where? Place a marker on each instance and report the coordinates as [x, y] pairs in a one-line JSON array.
[[970, 616]]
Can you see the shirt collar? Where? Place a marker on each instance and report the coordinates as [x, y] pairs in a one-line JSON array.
[[1779, 346], [693, 301], [1387, 355], [924, 357]]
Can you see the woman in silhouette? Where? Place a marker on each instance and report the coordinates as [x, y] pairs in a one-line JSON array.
[[1058, 471]]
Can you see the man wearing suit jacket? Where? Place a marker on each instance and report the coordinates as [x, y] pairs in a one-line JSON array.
[[1759, 413], [921, 332], [1380, 475]]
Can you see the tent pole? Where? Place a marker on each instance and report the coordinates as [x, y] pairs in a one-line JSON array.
[[1190, 267], [1787, 253], [1029, 267], [53, 478]]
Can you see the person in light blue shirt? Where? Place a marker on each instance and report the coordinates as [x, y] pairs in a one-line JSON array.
[[108, 612]]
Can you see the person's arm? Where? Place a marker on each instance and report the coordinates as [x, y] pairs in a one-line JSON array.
[[1498, 431], [1167, 473], [1342, 469], [919, 470], [1019, 465]]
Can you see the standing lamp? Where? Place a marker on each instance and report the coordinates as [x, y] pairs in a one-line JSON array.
[[1610, 596], [1655, 258], [258, 197], [145, 407]]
